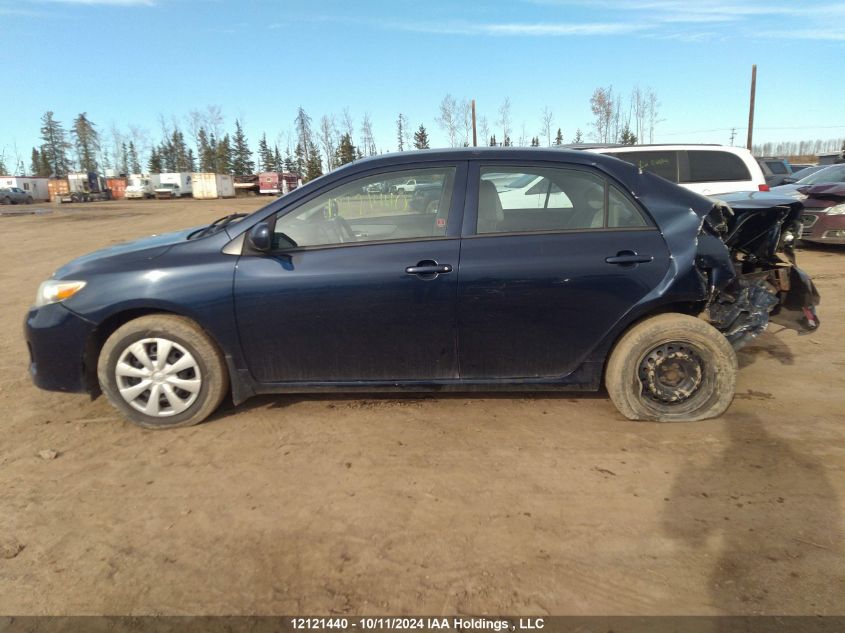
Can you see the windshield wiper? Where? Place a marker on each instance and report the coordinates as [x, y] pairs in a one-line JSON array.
[[215, 226]]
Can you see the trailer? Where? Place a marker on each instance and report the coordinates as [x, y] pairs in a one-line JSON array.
[[117, 186], [141, 186], [207, 186], [35, 186], [277, 183], [86, 187], [174, 185]]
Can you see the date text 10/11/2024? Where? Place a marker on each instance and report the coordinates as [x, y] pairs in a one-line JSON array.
[[417, 624]]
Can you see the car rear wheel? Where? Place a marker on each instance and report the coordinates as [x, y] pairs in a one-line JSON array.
[[162, 371], [672, 368], [29, 199], [6, 200]]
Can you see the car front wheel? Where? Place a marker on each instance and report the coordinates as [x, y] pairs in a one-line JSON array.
[[162, 371], [672, 368]]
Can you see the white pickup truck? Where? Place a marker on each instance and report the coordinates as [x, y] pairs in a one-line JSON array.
[[406, 187]]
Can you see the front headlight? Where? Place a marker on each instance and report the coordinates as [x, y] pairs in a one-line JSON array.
[[54, 290], [839, 209]]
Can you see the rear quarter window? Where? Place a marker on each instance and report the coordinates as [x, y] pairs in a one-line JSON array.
[[716, 166], [661, 163]]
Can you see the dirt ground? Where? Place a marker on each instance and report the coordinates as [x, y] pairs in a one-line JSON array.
[[514, 504]]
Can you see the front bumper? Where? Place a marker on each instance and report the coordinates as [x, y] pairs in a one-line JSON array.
[[57, 339], [821, 228]]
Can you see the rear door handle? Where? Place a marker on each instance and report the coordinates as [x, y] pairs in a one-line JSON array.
[[628, 258], [428, 269]]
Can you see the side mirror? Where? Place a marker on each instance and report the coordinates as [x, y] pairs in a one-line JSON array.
[[789, 180], [260, 238]]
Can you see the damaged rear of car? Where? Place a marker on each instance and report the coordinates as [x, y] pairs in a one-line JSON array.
[[734, 260]]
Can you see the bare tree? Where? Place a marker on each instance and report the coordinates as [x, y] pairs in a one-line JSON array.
[[523, 139], [466, 120], [652, 112], [348, 123], [368, 141], [483, 131], [505, 119], [602, 107], [638, 108], [546, 120], [328, 134], [448, 119]]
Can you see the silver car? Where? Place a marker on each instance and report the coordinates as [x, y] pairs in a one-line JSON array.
[[14, 195]]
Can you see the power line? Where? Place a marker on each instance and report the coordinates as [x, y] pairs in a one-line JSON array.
[[728, 129]]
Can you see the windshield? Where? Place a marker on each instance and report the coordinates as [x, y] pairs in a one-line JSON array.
[[834, 173]]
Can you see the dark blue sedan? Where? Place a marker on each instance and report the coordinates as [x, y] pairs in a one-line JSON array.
[[523, 270]]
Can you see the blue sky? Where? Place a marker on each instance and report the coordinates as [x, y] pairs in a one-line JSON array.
[[127, 62]]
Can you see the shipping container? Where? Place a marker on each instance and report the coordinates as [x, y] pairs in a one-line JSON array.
[[277, 183], [117, 186], [57, 188], [208, 186], [35, 186], [174, 185]]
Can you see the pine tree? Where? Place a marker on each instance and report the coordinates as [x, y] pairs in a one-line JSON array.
[[242, 163], [345, 150], [628, 137], [305, 138], [300, 159], [155, 164], [39, 167], [123, 163], [3, 170], [421, 138], [535, 142], [493, 141], [278, 163], [134, 163], [559, 137], [55, 147], [265, 156], [290, 163], [87, 142], [579, 137], [223, 156], [507, 141], [207, 150], [314, 167]]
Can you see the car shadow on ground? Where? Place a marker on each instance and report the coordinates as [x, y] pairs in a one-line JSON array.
[[282, 401], [743, 503], [767, 344]]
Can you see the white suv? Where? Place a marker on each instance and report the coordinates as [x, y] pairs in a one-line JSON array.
[[705, 169]]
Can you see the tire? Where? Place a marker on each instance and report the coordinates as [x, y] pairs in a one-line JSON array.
[[7, 201], [699, 385], [29, 199], [202, 382]]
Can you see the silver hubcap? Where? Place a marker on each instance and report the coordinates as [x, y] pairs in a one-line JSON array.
[[158, 377]]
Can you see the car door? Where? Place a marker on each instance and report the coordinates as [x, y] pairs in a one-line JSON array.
[[539, 288], [358, 286]]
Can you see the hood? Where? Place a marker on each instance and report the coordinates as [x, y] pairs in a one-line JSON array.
[[144, 249], [830, 191]]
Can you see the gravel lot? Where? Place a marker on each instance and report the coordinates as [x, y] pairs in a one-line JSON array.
[[509, 504]]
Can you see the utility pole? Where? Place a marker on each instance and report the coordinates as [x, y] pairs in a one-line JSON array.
[[733, 135], [751, 105], [474, 136]]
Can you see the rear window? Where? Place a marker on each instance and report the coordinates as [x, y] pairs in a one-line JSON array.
[[661, 163], [777, 167], [715, 166]]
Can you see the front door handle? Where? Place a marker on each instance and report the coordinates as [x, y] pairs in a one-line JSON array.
[[428, 269], [628, 258]]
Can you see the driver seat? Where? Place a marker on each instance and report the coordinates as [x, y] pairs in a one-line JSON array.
[[490, 212]]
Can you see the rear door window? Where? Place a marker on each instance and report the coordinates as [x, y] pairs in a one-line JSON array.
[[715, 166], [662, 163]]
